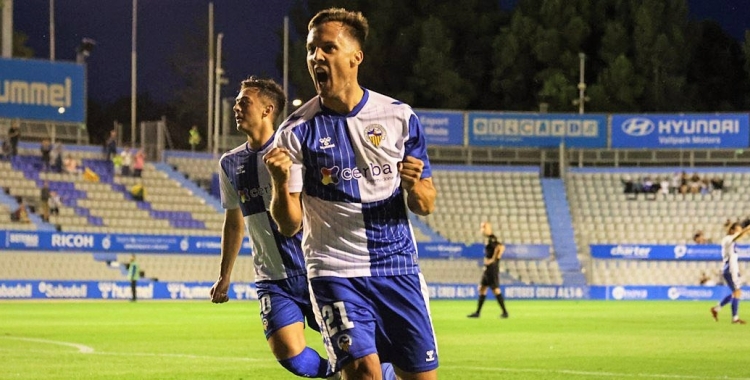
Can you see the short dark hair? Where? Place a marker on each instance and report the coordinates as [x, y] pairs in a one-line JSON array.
[[355, 22], [269, 89]]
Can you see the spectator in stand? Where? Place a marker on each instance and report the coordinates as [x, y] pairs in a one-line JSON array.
[[44, 195], [57, 161], [700, 238], [140, 161], [674, 185], [649, 188], [70, 165], [117, 164], [138, 191], [54, 203], [110, 146], [717, 184], [195, 138], [706, 280], [630, 190], [695, 184], [664, 186], [684, 181], [46, 151], [21, 214], [14, 134], [127, 160], [5, 150]]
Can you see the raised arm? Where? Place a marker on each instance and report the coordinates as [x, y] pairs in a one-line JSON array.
[[742, 233]]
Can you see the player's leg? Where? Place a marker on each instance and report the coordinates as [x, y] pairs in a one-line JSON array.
[[348, 323], [715, 309], [500, 300], [283, 323], [736, 295], [408, 338], [480, 300], [289, 347]]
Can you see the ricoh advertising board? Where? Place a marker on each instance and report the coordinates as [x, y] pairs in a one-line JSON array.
[[676, 131], [42, 90]]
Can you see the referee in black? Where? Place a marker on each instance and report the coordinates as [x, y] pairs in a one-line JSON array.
[[493, 251]]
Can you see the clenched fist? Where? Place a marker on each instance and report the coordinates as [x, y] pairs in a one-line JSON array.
[[278, 162], [410, 170]]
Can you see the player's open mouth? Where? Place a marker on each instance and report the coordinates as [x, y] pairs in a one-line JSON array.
[[321, 76]]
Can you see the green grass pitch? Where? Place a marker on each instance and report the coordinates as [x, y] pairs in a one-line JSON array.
[[541, 340]]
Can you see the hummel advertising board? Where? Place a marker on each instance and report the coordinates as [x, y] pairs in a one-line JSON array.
[[41, 90], [677, 131]]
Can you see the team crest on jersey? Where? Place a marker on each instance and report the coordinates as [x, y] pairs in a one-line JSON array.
[[345, 342], [375, 133], [329, 175]]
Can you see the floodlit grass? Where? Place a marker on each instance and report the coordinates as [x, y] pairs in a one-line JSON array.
[[540, 340]]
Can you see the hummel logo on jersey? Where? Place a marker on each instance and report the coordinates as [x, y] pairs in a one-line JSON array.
[[369, 172], [375, 133], [325, 143], [430, 356], [240, 169]]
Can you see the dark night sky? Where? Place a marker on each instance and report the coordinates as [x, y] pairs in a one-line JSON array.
[[251, 30]]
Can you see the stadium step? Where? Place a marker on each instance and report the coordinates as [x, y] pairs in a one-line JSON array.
[[561, 228]]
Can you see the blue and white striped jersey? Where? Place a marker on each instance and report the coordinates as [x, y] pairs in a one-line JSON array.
[[355, 213], [729, 257], [245, 183]]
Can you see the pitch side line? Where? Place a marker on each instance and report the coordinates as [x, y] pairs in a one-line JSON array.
[[186, 356], [89, 350], [599, 374], [81, 348]]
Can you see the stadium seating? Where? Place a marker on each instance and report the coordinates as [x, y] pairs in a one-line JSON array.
[[199, 168], [511, 201], [106, 206], [603, 214], [55, 266], [653, 272], [203, 268]]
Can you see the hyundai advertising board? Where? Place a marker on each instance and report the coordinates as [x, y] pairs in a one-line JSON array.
[[680, 131], [41, 90], [537, 130]]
